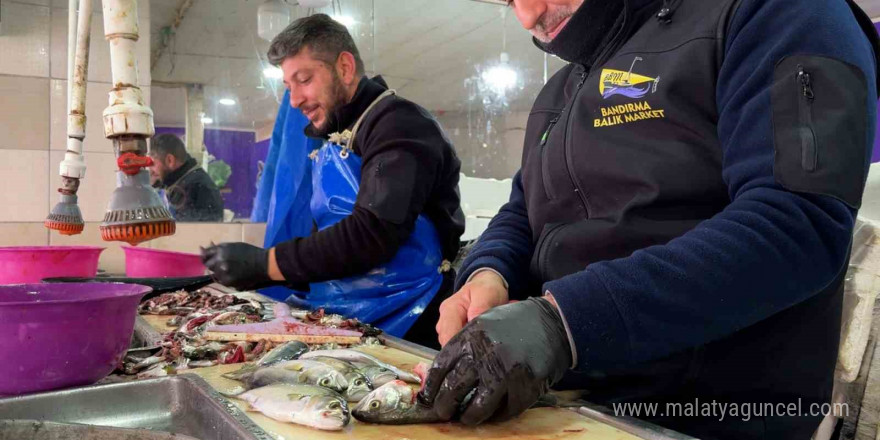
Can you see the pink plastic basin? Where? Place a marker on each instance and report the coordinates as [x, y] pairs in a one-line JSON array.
[[153, 263], [63, 335], [30, 264]]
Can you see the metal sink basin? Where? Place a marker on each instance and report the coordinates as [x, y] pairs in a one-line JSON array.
[[183, 404]]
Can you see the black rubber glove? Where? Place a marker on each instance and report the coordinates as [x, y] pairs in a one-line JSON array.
[[239, 265], [508, 357]]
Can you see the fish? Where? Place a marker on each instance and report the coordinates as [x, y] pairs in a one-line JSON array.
[[284, 352], [359, 357], [307, 405], [394, 403], [358, 384], [377, 375], [293, 372]]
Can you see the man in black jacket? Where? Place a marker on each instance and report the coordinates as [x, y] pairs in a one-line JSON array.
[[192, 195], [408, 169], [685, 209]]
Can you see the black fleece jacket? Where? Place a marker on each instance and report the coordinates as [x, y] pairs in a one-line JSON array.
[[408, 168]]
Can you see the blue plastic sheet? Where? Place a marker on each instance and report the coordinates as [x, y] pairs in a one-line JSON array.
[[391, 296], [282, 199]]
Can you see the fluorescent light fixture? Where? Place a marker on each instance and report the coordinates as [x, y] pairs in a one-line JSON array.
[[227, 101], [207, 120], [499, 78], [273, 72], [345, 20], [272, 17]]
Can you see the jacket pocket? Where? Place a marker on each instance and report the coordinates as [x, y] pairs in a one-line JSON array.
[[820, 128], [540, 258]]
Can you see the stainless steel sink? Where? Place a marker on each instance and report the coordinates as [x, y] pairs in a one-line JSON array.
[[183, 404]]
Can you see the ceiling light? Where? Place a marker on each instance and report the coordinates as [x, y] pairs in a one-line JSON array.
[[314, 3], [345, 20], [273, 72], [500, 78], [272, 17], [227, 101], [207, 120]]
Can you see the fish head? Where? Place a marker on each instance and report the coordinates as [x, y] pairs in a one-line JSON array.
[[328, 412], [385, 403], [358, 387], [378, 376], [328, 378]]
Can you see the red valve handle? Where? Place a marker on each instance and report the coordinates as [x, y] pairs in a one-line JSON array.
[[131, 164]]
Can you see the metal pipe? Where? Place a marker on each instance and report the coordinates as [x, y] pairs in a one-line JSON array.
[[73, 167], [72, 6], [65, 217], [127, 114]]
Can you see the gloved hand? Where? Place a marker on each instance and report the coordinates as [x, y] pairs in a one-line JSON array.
[[510, 355], [238, 265]]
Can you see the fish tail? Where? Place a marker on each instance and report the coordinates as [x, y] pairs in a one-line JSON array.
[[234, 393], [241, 373]]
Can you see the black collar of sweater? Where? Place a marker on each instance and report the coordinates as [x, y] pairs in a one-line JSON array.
[[177, 174], [346, 115], [595, 26]]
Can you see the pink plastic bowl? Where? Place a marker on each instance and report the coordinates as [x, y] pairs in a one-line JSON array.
[[155, 263], [63, 335], [30, 264]]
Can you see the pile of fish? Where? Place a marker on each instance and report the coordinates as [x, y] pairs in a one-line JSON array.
[[183, 303], [314, 388], [195, 313]]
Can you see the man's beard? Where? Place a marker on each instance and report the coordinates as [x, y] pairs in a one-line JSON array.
[[337, 98]]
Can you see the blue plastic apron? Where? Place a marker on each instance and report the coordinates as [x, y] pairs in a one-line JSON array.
[[391, 296]]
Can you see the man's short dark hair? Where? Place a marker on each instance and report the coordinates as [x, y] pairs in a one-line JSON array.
[[165, 144], [324, 36]]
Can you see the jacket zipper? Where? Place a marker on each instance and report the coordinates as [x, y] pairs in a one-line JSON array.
[[809, 151], [600, 60], [545, 169], [568, 162]]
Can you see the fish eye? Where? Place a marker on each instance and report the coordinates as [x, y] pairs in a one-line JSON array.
[[375, 404], [359, 382], [325, 382], [333, 405]]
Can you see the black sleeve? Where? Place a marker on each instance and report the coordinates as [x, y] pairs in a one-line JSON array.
[[353, 246], [401, 151]]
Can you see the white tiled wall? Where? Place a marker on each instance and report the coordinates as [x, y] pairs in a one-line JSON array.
[[33, 132], [23, 120], [24, 39]]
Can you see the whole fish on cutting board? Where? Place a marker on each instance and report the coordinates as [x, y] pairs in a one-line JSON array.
[[377, 375], [296, 372], [394, 403], [307, 405], [285, 352], [359, 357], [358, 384]]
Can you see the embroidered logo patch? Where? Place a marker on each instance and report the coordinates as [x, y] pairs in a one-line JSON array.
[[632, 85]]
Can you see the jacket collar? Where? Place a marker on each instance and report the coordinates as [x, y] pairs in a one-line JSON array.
[[595, 26], [346, 115], [172, 177]]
